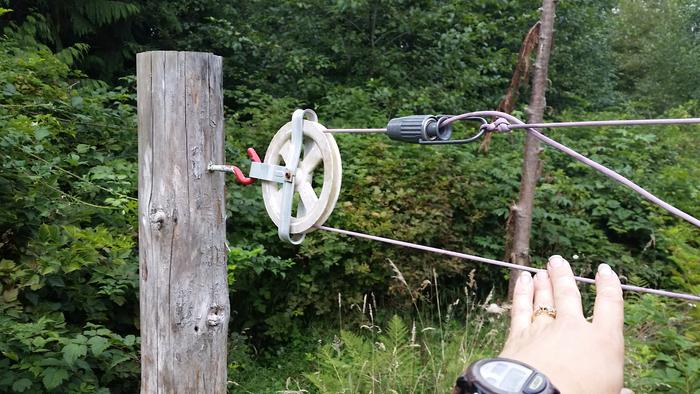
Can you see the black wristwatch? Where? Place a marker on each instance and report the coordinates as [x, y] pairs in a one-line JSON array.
[[503, 376]]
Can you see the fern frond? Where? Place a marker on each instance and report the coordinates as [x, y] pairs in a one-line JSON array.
[[96, 13], [397, 332], [73, 53]]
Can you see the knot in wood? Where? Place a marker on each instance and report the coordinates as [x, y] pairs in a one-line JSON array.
[[157, 218], [216, 315]]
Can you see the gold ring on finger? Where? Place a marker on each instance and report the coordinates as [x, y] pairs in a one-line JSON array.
[[544, 310]]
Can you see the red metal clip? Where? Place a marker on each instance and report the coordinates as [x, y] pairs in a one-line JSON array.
[[240, 177]]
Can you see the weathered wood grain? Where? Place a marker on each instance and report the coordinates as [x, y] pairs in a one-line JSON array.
[[182, 253]]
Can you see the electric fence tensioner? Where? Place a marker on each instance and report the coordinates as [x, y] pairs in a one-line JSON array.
[[295, 198]]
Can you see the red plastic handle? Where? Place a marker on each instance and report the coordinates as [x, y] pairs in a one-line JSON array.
[[254, 155], [240, 177]]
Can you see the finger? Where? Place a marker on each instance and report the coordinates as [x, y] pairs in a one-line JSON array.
[[626, 391], [521, 311], [608, 311], [567, 298], [543, 296]]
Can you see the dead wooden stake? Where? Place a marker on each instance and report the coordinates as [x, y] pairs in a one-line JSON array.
[[182, 253], [522, 211]]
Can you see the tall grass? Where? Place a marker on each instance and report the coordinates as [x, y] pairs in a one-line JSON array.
[[419, 351]]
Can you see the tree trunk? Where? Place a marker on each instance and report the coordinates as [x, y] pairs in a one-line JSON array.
[[521, 212], [521, 73], [184, 305]]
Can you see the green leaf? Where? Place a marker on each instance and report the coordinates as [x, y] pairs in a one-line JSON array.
[[118, 360], [98, 345], [7, 264], [9, 89], [50, 361], [76, 101], [38, 342], [10, 295], [73, 351], [129, 340], [54, 377], [694, 364], [11, 355], [41, 132], [21, 385]]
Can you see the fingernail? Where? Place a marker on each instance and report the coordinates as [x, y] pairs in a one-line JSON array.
[[556, 261], [525, 277], [542, 275], [605, 270]]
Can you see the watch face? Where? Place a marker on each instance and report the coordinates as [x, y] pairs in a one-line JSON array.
[[505, 376]]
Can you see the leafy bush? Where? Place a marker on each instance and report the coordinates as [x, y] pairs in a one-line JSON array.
[[68, 269], [68, 260], [663, 346], [47, 355]]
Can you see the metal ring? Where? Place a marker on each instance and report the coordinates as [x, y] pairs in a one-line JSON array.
[[544, 310]]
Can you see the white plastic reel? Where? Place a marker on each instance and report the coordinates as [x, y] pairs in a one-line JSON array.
[[313, 204]]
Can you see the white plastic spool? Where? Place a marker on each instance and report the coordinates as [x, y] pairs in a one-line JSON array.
[[310, 206]]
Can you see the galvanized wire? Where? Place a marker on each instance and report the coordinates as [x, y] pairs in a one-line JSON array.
[[605, 123], [354, 131], [511, 121], [499, 263], [504, 123]]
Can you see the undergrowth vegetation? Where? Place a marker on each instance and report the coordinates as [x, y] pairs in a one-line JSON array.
[[339, 314], [423, 355]]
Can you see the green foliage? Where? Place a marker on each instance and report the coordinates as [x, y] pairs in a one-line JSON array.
[[651, 71], [663, 346], [457, 199], [47, 354], [387, 354], [78, 29], [68, 280], [582, 65], [682, 242], [68, 269], [273, 370], [383, 365]]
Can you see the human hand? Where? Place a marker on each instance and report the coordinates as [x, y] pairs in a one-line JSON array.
[[577, 356]]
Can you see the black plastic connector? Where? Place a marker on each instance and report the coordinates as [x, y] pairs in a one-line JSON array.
[[417, 129]]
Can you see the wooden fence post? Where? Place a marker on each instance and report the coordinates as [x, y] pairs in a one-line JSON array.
[[182, 254]]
